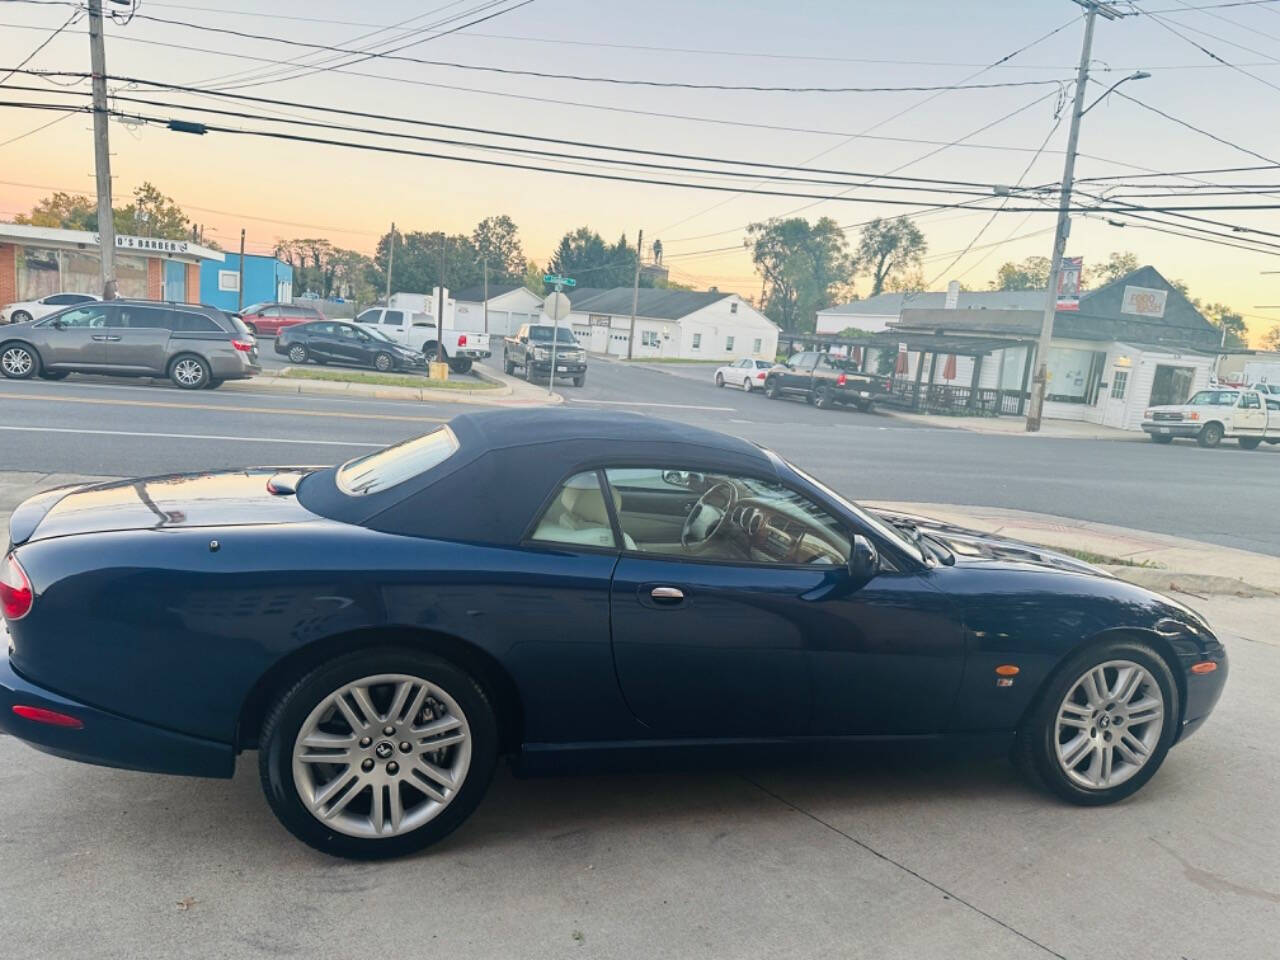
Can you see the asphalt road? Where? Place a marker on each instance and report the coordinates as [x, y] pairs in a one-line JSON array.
[[1224, 496]]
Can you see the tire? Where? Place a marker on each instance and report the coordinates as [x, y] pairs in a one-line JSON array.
[[350, 831], [384, 363], [822, 398], [507, 366], [1045, 749], [432, 352], [54, 374], [20, 316], [865, 406], [1210, 435], [19, 361], [528, 371], [1161, 438], [746, 385], [580, 380], [189, 372], [214, 383], [719, 379], [1249, 443], [771, 389], [297, 353], [460, 364]]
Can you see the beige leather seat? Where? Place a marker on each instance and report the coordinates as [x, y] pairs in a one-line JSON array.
[[579, 516]]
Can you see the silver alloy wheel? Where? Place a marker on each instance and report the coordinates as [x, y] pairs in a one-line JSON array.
[[297, 353], [746, 385], [381, 756], [382, 362], [188, 372], [17, 361], [1109, 724]]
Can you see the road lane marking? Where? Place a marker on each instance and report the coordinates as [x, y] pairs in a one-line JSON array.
[[193, 436], [639, 403], [217, 406]]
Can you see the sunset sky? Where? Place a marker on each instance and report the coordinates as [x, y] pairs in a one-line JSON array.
[[277, 189]]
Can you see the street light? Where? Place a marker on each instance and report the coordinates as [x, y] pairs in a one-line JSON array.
[[1136, 75]]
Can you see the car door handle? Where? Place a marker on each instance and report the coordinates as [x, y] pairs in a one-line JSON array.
[[105, 337], [667, 595]]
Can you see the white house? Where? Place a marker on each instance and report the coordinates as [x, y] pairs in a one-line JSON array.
[[684, 324], [875, 314], [510, 305]]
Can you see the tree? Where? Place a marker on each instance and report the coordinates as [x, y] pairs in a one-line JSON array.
[[1116, 266], [1031, 274], [64, 210], [1230, 323], [1271, 339], [417, 266], [327, 271], [497, 239], [887, 248], [806, 268], [152, 214], [584, 255], [533, 278]]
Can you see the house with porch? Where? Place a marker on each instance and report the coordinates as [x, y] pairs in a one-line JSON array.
[[1133, 343]]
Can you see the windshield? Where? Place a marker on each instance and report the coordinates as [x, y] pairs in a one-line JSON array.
[[376, 334], [542, 334], [386, 468], [879, 526], [1214, 398]]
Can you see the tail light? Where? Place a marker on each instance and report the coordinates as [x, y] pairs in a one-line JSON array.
[[761, 375], [15, 589], [462, 339], [244, 346], [841, 380]]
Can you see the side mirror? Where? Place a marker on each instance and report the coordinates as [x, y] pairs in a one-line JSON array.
[[524, 339], [864, 561], [56, 324]]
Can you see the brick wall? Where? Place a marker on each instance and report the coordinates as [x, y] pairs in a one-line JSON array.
[[155, 278], [193, 283], [8, 273]]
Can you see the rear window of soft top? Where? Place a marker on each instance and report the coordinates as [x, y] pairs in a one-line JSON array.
[[386, 468]]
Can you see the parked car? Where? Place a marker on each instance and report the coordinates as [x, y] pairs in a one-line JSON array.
[[645, 585], [333, 341], [1272, 389], [1213, 414], [268, 319], [747, 373], [24, 311], [530, 350], [825, 381], [194, 346], [417, 331]]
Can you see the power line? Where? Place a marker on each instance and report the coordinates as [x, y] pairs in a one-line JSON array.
[[35, 130], [1191, 126], [1178, 173], [75, 15], [584, 78], [1205, 50]]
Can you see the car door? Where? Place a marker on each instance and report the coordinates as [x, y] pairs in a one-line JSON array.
[[318, 338], [73, 339], [345, 346], [1251, 415], [799, 373], [395, 325], [137, 339], [759, 632]]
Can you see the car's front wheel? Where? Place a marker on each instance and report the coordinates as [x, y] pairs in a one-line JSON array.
[[771, 389], [1102, 727], [20, 316], [719, 379], [19, 361], [383, 362], [746, 385], [378, 753], [297, 353], [822, 398], [1211, 435]]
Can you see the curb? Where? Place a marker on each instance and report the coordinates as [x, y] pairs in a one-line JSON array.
[[968, 425], [503, 395]]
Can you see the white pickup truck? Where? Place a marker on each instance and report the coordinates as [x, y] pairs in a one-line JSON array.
[[418, 332], [1249, 416]]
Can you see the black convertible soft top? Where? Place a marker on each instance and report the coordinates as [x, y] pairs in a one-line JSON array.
[[510, 461]]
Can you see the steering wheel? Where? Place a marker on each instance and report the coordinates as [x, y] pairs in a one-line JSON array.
[[704, 520]]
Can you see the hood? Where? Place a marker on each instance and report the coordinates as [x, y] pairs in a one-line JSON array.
[[257, 496], [975, 547]]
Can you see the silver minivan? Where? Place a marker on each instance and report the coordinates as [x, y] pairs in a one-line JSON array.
[[194, 346]]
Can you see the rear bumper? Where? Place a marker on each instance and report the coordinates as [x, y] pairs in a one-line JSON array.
[[106, 739], [1171, 428], [471, 354]]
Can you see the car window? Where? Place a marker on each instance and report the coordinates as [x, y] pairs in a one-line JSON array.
[[66, 299], [253, 308], [1214, 398], [393, 318], [344, 331], [130, 317], [237, 324], [82, 318], [386, 468], [577, 515], [1250, 401], [271, 312], [369, 316], [318, 329], [724, 517], [184, 321]]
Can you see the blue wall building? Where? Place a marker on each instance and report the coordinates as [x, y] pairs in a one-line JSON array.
[[265, 279]]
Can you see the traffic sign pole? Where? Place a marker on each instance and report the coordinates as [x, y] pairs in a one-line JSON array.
[[559, 282]]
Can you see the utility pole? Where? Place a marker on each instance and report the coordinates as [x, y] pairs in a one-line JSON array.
[[240, 282], [635, 296], [391, 258], [101, 152], [486, 296], [444, 241], [1039, 384]]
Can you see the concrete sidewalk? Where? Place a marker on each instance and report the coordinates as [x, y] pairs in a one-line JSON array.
[[1017, 426], [510, 392]]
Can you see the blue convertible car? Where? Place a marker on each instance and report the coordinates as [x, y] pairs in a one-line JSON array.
[[558, 585]]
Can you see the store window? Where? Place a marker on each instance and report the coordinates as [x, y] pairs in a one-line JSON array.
[[38, 274], [81, 271], [648, 338], [1074, 375], [1119, 384], [1171, 385], [131, 277]]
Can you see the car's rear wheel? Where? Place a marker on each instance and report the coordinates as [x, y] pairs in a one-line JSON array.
[[822, 398], [383, 362], [20, 316], [460, 364], [719, 379], [1103, 725], [580, 380], [746, 385], [507, 366], [1211, 435], [771, 389], [297, 353], [1161, 438], [189, 372], [1249, 443], [19, 361], [378, 753]]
